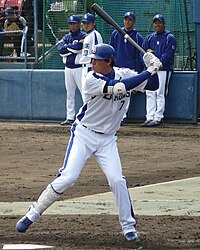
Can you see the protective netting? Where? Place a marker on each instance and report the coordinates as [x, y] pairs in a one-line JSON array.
[[178, 16], [178, 19]]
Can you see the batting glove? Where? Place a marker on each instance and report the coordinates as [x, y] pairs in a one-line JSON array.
[[153, 69], [150, 58]]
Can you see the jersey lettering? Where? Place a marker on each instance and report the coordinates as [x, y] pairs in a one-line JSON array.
[[118, 98]]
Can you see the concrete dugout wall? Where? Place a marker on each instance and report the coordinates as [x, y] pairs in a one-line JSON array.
[[41, 95]]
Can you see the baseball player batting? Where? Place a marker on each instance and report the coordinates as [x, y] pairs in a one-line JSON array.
[[94, 134]]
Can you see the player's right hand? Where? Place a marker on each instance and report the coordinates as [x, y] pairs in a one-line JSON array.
[[149, 59], [153, 69]]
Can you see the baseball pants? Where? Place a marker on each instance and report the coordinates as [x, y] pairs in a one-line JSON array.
[[155, 100], [83, 144], [72, 80]]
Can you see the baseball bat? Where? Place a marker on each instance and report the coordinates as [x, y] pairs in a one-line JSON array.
[[110, 21]]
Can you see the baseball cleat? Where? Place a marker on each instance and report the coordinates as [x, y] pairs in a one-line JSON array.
[[67, 122], [23, 224], [145, 124], [132, 236], [153, 123]]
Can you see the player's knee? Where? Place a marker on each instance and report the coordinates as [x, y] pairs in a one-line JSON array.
[[116, 182], [64, 181]]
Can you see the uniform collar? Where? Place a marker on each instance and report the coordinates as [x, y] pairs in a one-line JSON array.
[[76, 32], [90, 31], [111, 75]]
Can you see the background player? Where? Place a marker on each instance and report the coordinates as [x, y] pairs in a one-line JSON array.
[[126, 54], [93, 37], [70, 48], [94, 133], [163, 45]]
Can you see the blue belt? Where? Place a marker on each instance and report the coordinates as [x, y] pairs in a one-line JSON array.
[[93, 130]]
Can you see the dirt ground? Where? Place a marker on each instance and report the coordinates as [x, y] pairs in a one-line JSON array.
[[31, 154]]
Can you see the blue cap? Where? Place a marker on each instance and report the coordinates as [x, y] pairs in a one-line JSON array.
[[159, 18], [74, 19], [88, 18], [130, 15]]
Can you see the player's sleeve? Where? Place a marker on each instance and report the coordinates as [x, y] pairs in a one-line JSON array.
[[141, 82], [76, 47], [139, 66], [63, 46], [169, 50], [96, 39], [94, 84], [113, 39]]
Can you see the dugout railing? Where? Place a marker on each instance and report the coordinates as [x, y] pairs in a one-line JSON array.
[[23, 55]]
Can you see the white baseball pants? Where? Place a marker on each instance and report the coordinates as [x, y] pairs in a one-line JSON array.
[[155, 100], [72, 80], [84, 143]]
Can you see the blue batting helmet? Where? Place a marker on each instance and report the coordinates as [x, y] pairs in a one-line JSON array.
[[103, 51]]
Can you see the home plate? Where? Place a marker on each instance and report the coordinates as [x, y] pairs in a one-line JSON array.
[[25, 246]]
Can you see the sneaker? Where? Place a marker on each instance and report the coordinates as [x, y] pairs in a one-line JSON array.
[[146, 123], [153, 123], [67, 122], [23, 224]]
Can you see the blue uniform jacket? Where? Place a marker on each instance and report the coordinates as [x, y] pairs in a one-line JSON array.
[[163, 45], [127, 55], [72, 40]]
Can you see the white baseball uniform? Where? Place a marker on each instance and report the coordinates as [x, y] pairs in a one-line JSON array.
[[94, 134], [93, 38]]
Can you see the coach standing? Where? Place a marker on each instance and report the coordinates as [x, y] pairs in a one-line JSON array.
[[70, 47], [163, 45], [127, 55]]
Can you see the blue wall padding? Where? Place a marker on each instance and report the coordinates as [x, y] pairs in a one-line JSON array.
[[48, 94], [181, 102], [41, 95]]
